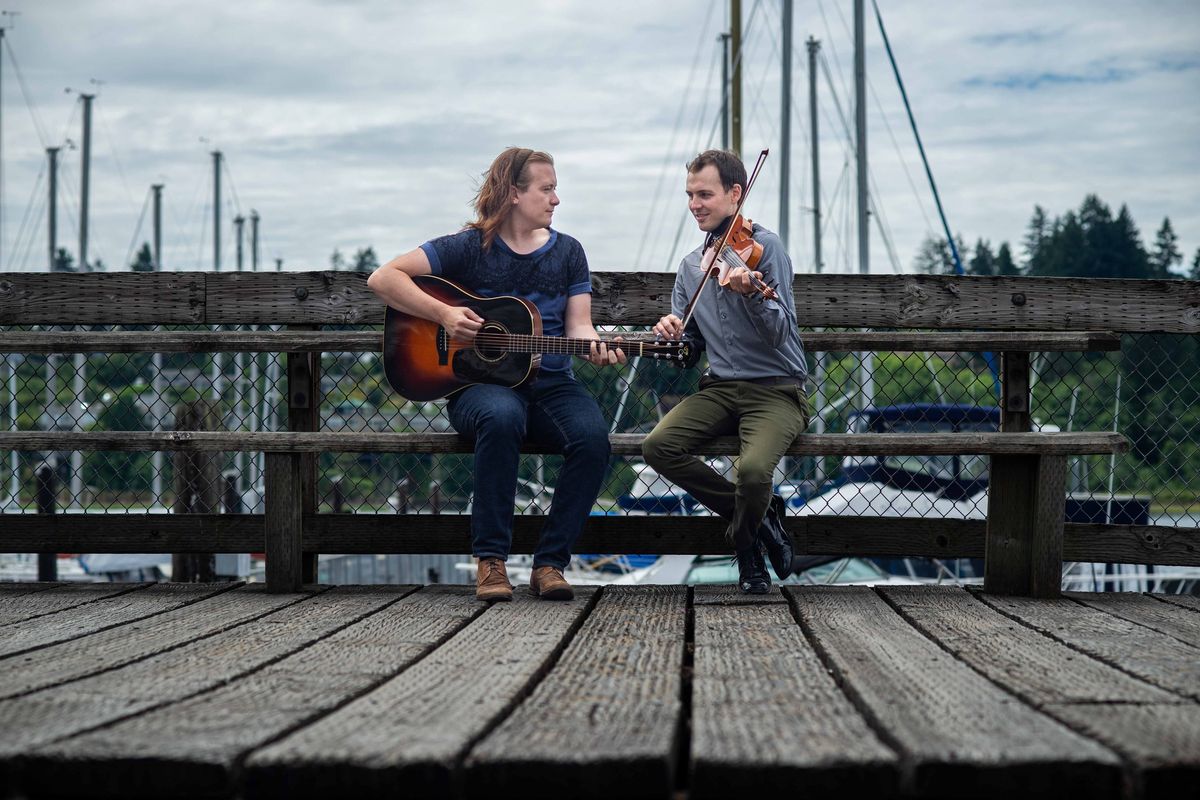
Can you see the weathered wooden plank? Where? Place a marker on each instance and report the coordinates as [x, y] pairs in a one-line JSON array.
[[1007, 303], [283, 521], [116, 647], [264, 341], [604, 722], [1040, 670], [113, 298], [1148, 654], [103, 614], [50, 715], [197, 744], [840, 444], [1162, 743], [767, 718], [409, 735], [956, 732], [15, 589], [449, 533], [1147, 611], [729, 595], [1182, 600], [1151, 728], [622, 298], [17, 607], [293, 298]]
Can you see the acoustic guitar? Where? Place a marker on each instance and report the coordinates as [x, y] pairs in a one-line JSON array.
[[422, 362]]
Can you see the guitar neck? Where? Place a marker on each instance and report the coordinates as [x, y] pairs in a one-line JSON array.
[[527, 343]]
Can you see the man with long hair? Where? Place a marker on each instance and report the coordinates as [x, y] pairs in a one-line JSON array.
[[754, 388], [511, 250]]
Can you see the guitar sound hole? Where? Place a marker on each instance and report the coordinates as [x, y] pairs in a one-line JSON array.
[[488, 343]]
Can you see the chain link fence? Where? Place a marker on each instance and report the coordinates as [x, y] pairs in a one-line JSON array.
[[1149, 391]]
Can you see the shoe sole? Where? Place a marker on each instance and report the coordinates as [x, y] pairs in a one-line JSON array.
[[495, 597]]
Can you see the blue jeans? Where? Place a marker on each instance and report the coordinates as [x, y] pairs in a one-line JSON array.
[[556, 413]]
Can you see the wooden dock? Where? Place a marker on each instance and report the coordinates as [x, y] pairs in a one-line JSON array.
[[165, 690]]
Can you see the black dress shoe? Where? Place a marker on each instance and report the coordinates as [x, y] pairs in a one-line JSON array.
[[752, 571], [775, 539]]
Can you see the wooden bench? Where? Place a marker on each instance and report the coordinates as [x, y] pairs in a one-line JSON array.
[[1024, 540]]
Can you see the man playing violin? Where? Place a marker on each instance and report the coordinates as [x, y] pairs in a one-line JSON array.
[[754, 387], [510, 249]]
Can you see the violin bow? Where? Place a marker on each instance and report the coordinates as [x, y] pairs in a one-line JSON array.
[[720, 245]]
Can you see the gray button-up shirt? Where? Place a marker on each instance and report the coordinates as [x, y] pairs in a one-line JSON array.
[[745, 338]]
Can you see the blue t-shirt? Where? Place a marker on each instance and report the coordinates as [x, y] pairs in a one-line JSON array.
[[546, 277]]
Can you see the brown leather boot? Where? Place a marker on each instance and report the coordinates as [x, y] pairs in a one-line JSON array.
[[548, 583], [491, 581]]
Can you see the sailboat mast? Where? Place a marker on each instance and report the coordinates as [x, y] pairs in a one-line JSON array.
[[785, 128], [813, 48], [85, 181], [735, 90], [867, 373]]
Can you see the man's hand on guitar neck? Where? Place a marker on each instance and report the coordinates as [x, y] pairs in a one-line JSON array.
[[603, 355], [461, 322]]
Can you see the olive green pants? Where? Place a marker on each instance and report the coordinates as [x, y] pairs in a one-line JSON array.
[[766, 420]]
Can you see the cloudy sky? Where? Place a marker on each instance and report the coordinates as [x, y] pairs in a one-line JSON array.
[[367, 122]]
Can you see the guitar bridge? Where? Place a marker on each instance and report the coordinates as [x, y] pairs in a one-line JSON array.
[[443, 346]]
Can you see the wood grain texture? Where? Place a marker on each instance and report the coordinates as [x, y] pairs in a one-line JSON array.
[[450, 533], [1181, 600], [49, 715], [629, 444], [371, 341], [17, 606], [1152, 656], [1156, 732], [956, 732], [603, 722], [409, 735], [107, 613], [768, 718], [730, 595], [1012, 493], [116, 647], [198, 743], [1147, 611], [1049, 510], [1040, 670], [283, 521], [116, 298]]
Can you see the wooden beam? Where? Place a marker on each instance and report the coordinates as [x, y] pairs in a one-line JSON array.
[[427, 533], [1026, 505], [627, 444], [102, 298], [371, 341], [283, 521]]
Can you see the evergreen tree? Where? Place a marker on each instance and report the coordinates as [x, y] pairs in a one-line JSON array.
[[1035, 240], [933, 257], [365, 260], [983, 261], [1195, 275], [1128, 255], [144, 260], [1166, 253], [336, 260], [1004, 261], [63, 261]]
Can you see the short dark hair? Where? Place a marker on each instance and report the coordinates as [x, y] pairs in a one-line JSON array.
[[729, 167]]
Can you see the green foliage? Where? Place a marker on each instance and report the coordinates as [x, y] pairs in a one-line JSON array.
[[365, 260], [63, 261], [1166, 253], [144, 260]]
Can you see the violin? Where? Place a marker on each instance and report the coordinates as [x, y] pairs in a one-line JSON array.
[[733, 248], [740, 250]]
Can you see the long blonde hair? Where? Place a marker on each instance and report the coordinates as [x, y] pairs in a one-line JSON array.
[[511, 168]]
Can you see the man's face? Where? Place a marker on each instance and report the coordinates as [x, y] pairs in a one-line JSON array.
[[708, 201], [536, 203]]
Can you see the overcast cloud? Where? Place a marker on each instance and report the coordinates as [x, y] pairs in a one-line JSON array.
[[347, 124]]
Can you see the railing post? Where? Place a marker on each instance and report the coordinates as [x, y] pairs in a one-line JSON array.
[[46, 493], [304, 414], [1026, 501], [284, 523], [197, 487]]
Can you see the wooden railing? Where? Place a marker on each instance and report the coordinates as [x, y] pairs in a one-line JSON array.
[[1012, 316]]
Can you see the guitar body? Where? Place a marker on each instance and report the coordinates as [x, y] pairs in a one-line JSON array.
[[422, 363]]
